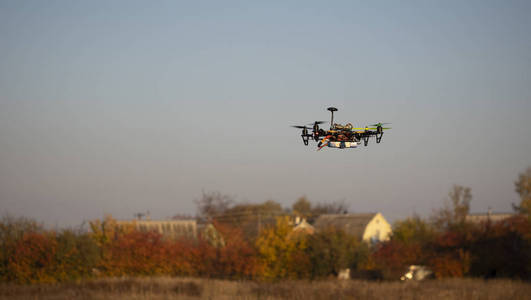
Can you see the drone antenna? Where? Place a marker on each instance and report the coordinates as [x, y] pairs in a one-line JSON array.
[[332, 110]]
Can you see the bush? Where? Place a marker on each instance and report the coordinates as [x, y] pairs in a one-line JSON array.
[[332, 250], [12, 231], [76, 256]]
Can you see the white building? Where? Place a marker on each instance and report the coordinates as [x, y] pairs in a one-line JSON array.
[[167, 228], [370, 227]]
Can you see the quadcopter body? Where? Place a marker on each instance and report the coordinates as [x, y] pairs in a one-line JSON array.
[[341, 136]]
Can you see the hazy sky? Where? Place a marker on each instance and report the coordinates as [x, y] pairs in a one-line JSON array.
[[126, 106]]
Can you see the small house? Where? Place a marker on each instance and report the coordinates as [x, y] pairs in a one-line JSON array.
[[369, 227]]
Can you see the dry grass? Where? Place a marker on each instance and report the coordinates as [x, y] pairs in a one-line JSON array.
[[189, 288]]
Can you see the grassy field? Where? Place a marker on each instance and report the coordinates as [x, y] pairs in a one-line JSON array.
[[182, 288]]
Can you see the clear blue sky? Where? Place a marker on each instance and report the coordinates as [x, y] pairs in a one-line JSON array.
[[126, 106]]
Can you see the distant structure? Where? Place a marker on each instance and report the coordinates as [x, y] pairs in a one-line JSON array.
[[301, 226], [173, 229], [370, 227], [487, 217], [210, 234], [344, 274]]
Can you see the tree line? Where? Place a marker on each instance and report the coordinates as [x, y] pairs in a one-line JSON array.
[[259, 243]]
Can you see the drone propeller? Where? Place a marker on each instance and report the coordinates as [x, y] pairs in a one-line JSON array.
[[366, 128], [379, 130], [315, 129], [304, 133], [361, 130], [379, 124], [376, 128], [317, 123]]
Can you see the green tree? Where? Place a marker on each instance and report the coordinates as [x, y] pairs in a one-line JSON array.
[[523, 188], [332, 250], [76, 255], [412, 230]]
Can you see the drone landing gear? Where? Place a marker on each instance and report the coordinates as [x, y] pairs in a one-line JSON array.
[[304, 139], [305, 135], [365, 141], [379, 137]]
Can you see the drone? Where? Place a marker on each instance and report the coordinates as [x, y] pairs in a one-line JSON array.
[[340, 136]]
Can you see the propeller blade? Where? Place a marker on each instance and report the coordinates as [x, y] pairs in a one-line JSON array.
[[300, 127], [317, 122], [379, 124], [376, 128]]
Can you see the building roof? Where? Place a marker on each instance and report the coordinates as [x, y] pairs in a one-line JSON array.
[[353, 224], [169, 228], [301, 226]]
